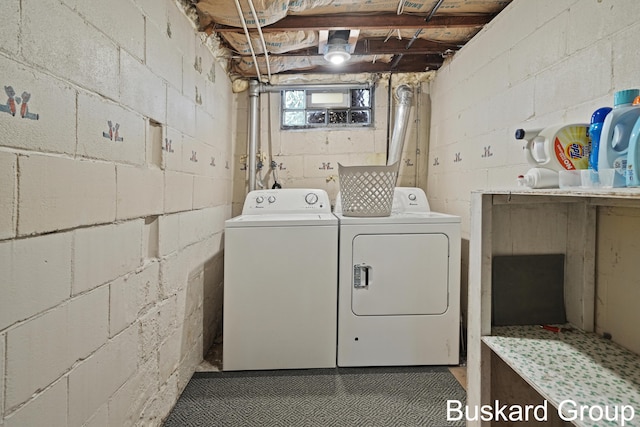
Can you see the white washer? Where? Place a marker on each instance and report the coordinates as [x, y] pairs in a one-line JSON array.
[[280, 282], [399, 286]]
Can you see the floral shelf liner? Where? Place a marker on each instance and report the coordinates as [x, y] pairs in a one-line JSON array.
[[571, 365]]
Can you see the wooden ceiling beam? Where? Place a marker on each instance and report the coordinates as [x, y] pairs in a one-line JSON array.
[[393, 46], [429, 59], [366, 47], [378, 67], [413, 64], [367, 22]]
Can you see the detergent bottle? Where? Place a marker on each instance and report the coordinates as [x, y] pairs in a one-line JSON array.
[[559, 147], [616, 132], [539, 178], [633, 155], [595, 130]]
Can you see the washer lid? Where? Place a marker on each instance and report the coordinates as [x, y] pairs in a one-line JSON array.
[[401, 218], [282, 220]]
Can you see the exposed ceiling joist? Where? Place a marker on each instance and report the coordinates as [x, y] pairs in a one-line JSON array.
[[380, 47], [369, 22], [393, 46], [410, 64]]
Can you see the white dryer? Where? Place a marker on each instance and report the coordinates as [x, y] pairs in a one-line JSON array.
[[280, 282], [399, 286]]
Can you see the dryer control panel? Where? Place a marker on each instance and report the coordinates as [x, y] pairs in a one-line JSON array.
[[286, 200], [409, 199]]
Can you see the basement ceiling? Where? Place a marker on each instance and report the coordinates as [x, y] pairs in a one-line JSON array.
[[382, 35]]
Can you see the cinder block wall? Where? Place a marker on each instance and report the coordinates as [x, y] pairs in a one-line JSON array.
[[116, 139], [539, 63]]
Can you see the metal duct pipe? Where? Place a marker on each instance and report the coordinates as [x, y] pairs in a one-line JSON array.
[[403, 97], [254, 116]]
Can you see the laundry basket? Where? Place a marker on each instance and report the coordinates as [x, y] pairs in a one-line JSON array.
[[367, 190]]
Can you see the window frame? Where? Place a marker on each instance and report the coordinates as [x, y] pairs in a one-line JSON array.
[[327, 110]]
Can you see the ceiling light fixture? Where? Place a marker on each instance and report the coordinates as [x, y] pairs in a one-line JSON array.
[[337, 51]]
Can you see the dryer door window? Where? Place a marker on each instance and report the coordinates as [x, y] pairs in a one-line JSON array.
[[400, 274]]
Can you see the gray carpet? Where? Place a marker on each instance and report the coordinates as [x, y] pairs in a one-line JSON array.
[[396, 396]]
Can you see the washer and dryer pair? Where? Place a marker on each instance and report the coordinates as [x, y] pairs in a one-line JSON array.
[[308, 289]]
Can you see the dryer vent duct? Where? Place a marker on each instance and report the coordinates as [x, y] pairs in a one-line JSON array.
[[403, 97]]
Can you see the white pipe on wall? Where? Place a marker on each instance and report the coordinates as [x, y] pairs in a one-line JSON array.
[[246, 33], [264, 44], [404, 94]]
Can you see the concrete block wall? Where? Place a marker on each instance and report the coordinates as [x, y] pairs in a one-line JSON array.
[[116, 150], [539, 63], [535, 65], [309, 158]]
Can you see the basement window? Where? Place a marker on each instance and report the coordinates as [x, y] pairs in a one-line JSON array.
[[326, 108]]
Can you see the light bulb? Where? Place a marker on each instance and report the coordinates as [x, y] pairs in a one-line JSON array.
[[337, 52]]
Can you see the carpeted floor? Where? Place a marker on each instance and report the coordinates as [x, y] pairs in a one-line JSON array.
[[394, 396]]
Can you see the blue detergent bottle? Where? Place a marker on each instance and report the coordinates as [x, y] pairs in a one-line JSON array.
[[633, 155], [595, 130], [616, 132]]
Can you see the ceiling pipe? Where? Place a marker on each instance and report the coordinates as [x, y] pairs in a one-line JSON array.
[[403, 96], [335, 86], [246, 33], [397, 59], [427, 19], [262, 40]]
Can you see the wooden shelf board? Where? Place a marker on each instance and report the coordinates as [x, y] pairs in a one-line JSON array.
[[573, 365]]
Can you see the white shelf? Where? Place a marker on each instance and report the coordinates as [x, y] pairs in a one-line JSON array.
[[572, 365], [623, 192]]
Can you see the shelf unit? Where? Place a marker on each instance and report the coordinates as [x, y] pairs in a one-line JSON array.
[[577, 365], [574, 366]]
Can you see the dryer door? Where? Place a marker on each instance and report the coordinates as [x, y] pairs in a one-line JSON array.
[[400, 274]]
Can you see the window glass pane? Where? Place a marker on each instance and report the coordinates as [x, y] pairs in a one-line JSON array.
[[336, 117], [294, 99], [360, 116], [360, 98], [293, 118], [329, 99], [314, 117]]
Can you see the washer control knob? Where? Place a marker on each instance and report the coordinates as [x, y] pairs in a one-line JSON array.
[[311, 198], [271, 199], [259, 199], [412, 197]]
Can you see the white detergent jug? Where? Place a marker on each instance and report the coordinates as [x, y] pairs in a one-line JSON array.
[[559, 147], [539, 178], [616, 133]]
